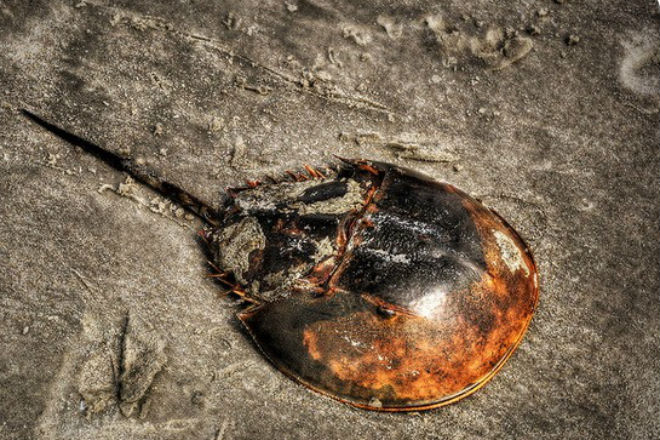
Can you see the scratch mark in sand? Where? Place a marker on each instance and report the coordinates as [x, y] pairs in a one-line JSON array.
[[333, 94]]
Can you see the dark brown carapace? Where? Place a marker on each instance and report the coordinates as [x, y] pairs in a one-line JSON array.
[[370, 283]]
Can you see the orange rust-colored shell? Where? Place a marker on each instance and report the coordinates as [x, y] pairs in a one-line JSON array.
[[431, 295]]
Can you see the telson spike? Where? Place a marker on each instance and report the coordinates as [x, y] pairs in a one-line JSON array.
[[140, 173]]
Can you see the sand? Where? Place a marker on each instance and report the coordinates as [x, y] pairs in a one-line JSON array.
[[547, 111]]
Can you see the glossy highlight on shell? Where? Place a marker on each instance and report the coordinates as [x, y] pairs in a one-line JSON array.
[[377, 285]]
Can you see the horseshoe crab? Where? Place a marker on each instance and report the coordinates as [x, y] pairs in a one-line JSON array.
[[368, 282]]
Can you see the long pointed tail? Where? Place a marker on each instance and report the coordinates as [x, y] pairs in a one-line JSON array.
[[140, 173]]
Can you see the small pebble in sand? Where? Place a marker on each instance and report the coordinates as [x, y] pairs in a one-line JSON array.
[[291, 7], [572, 40], [215, 124], [533, 29], [376, 403]]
